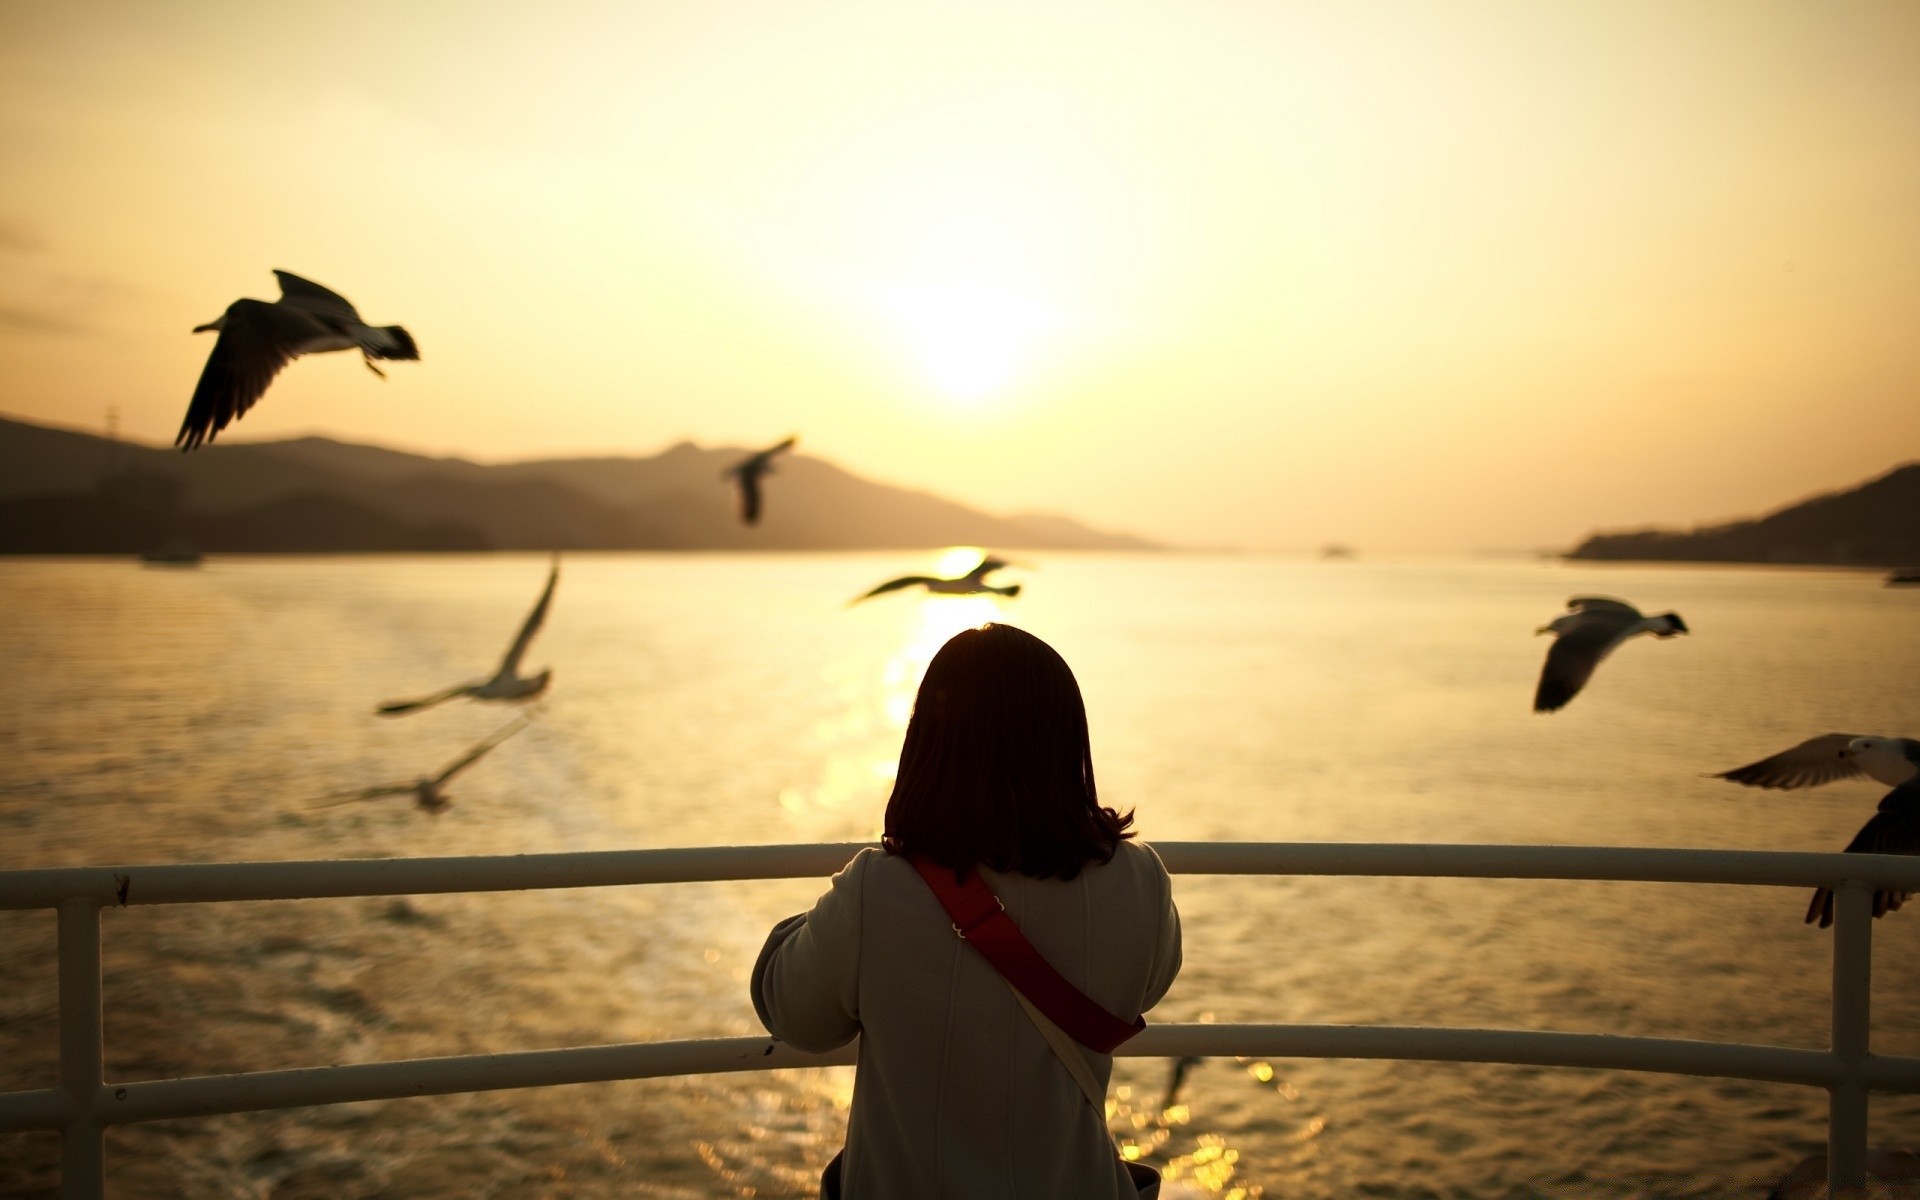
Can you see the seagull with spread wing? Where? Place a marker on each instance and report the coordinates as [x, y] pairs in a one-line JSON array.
[[429, 792], [746, 475], [257, 339], [506, 683], [972, 583], [1894, 829], [1587, 632]]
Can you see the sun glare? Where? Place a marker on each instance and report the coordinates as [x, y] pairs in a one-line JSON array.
[[958, 560], [971, 337]]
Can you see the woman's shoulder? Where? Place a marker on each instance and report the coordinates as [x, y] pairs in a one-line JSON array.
[[873, 866], [1135, 866], [1139, 856]]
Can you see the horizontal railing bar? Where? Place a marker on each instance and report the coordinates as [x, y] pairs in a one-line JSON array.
[[304, 1086], [206, 1095], [178, 883], [175, 883], [1515, 1047], [44, 1109], [1636, 864], [1890, 1073]]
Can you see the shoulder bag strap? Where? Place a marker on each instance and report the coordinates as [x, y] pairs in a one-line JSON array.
[[982, 922], [1076, 1063]]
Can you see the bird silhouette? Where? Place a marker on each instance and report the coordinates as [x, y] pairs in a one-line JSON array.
[[747, 473], [257, 339], [1176, 1077], [1587, 632], [429, 792], [1893, 829], [971, 583], [506, 683]]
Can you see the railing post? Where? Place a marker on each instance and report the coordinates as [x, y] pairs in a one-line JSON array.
[[83, 1142], [1852, 996]]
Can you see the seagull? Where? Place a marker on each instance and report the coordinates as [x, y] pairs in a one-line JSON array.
[[972, 583], [1176, 1076], [429, 792], [507, 683], [1586, 633], [257, 339], [747, 473], [1894, 829]]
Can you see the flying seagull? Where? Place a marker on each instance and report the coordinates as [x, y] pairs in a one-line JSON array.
[[972, 583], [429, 792], [747, 472], [257, 339], [1894, 829], [1176, 1076], [1586, 633], [507, 683]]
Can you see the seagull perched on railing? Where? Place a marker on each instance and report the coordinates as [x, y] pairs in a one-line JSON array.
[[1894, 829], [429, 792], [507, 683], [972, 583], [747, 472], [258, 338], [1586, 633]]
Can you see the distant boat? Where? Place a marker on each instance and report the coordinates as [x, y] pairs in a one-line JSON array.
[[176, 552], [1336, 552], [1905, 577]]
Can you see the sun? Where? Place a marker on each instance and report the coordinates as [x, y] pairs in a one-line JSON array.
[[971, 337]]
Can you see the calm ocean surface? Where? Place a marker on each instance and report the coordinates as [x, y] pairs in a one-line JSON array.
[[156, 715]]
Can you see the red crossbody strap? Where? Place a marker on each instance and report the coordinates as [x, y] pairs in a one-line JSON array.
[[979, 918]]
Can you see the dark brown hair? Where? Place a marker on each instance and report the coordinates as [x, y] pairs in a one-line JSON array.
[[996, 768]]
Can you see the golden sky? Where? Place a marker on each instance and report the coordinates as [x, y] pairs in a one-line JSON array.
[[1410, 276]]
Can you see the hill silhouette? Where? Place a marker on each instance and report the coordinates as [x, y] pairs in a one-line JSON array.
[[1876, 524], [66, 492]]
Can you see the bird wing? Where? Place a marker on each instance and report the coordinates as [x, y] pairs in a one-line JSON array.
[[1895, 829], [373, 793], [256, 340], [474, 755], [749, 482], [760, 461], [1600, 604], [1575, 653], [1816, 761], [1571, 660], [305, 293], [893, 585], [394, 708], [510, 665]]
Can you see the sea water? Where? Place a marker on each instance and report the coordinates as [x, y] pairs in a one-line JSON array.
[[169, 715]]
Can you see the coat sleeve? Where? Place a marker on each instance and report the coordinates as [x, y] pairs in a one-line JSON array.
[[806, 981], [1166, 949]]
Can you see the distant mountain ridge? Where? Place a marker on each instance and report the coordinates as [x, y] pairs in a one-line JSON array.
[[1876, 524], [63, 491]]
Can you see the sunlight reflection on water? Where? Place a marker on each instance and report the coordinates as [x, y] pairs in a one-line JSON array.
[[706, 699]]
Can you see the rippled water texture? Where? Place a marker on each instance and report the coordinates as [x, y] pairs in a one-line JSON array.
[[188, 715]]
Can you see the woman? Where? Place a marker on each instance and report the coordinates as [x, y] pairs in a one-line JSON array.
[[957, 1093]]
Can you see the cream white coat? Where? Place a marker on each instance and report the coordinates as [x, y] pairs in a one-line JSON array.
[[956, 1093]]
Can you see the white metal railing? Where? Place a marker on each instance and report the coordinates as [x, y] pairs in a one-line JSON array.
[[85, 1102]]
